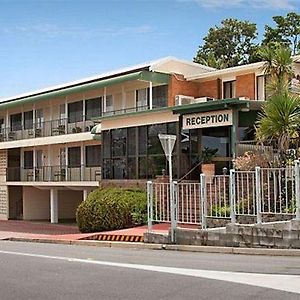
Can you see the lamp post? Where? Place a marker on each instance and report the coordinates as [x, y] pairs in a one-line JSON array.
[[168, 142]]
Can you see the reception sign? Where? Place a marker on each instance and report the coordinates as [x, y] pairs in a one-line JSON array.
[[207, 119]]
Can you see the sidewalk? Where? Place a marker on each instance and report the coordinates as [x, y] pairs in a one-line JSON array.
[[39, 230]]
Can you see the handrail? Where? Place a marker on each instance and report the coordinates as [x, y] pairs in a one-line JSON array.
[[190, 171]]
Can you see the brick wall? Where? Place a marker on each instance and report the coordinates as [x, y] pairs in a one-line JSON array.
[[245, 86], [179, 86], [210, 88]]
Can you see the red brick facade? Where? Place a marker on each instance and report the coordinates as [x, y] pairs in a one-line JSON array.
[[210, 88], [179, 86], [245, 86]]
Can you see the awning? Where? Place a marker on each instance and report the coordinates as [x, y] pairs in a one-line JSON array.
[[154, 77], [217, 105], [96, 129]]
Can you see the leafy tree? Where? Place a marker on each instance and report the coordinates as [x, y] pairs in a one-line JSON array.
[[232, 42], [212, 61], [286, 31], [278, 67]]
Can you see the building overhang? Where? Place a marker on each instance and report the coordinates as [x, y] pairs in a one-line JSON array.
[[235, 103]]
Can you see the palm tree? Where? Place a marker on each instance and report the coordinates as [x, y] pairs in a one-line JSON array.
[[278, 67], [279, 121]]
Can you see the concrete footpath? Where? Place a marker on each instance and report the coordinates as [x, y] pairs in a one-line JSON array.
[[38, 232]]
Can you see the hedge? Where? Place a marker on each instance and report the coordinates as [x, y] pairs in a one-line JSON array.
[[112, 208]]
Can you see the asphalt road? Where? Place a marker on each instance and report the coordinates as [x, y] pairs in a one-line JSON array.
[[49, 271]]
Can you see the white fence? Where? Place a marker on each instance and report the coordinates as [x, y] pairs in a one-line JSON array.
[[265, 191]]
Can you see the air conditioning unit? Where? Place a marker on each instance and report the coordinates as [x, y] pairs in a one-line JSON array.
[[183, 100], [202, 99], [244, 98]]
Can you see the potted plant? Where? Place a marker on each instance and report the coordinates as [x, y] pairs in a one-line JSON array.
[[208, 167]]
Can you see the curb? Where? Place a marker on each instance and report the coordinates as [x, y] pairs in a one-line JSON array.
[[146, 246]]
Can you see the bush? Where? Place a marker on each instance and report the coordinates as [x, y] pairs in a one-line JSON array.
[[110, 209]]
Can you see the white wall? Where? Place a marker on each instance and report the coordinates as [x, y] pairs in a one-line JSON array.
[[68, 202], [36, 204]]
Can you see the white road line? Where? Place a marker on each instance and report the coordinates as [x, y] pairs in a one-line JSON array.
[[288, 283]]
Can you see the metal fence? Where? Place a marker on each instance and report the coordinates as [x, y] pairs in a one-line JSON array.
[[265, 191]]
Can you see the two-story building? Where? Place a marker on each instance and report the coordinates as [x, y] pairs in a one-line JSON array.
[[59, 143]]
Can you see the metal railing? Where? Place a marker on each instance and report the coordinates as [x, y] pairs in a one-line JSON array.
[[46, 128], [54, 174], [265, 192]]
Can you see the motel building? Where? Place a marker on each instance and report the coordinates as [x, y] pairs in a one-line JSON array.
[[60, 143]]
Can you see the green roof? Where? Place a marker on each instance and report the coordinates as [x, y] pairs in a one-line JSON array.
[[211, 105], [154, 77]]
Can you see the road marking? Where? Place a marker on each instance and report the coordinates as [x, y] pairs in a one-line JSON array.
[[287, 283]]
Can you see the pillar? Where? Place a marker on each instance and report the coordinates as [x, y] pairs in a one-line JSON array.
[[54, 205], [85, 194], [234, 132]]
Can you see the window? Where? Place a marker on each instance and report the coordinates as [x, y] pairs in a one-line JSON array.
[[62, 111], [39, 118], [93, 156], [109, 105], [229, 89], [260, 87], [28, 159], [39, 159], [75, 112], [142, 99], [16, 122], [118, 140], [74, 157], [93, 108], [2, 125], [159, 96], [28, 119]]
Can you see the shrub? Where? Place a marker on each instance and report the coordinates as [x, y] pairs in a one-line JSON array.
[[113, 208]]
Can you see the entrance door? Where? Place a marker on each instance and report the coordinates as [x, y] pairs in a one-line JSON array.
[[218, 138]]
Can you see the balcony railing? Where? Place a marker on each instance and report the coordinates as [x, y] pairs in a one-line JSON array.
[[54, 174], [44, 129]]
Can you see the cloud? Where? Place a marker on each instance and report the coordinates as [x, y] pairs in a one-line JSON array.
[[53, 30], [266, 4]]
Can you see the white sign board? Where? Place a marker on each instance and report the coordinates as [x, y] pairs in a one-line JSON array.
[[207, 119]]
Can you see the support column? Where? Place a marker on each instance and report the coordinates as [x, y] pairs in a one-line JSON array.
[[82, 161], [123, 99], [85, 194], [67, 162], [54, 205], [49, 168], [104, 100], [150, 95], [34, 163], [234, 132]]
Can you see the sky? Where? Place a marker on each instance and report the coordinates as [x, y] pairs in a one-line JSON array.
[[48, 42]]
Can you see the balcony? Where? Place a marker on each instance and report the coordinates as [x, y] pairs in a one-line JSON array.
[[45, 129], [54, 174]]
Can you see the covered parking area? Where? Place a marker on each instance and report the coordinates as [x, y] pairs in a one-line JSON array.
[[54, 203]]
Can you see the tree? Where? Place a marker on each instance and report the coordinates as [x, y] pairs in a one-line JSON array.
[[232, 42], [278, 67], [279, 121], [212, 61], [286, 31]]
